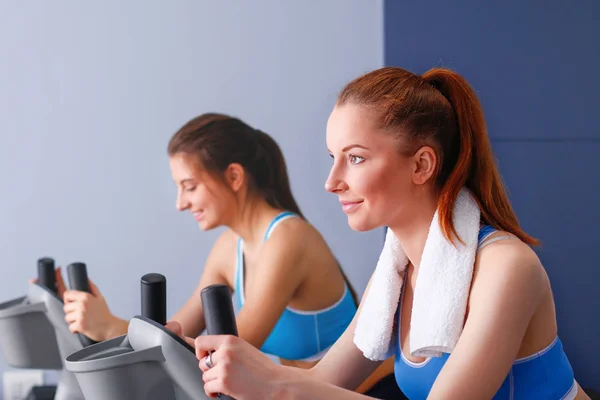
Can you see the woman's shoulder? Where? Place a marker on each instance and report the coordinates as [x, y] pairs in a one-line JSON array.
[[507, 262], [503, 246], [224, 249], [299, 240], [295, 232]]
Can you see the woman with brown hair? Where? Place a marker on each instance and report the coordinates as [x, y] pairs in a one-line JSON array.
[[293, 298]]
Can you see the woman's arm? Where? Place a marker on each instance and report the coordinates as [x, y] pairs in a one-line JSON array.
[[273, 285], [88, 313], [241, 371], [277, 274], [305, 389], [356, 368], [506, 290], [191, 316], [244, 372]]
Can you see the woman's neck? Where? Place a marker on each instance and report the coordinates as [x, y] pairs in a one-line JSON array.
[[251, 221], [412, 234]]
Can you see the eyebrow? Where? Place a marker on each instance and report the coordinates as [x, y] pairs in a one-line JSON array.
[[353, 146], [187, 180]]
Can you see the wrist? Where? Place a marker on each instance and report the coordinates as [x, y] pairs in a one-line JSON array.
[[115, 327], [289, 383]]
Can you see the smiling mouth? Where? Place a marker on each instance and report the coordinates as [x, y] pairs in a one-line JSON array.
[[198, 215], [349, 207]]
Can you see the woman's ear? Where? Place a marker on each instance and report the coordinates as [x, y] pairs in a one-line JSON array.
[[235, 176], [425, 164]]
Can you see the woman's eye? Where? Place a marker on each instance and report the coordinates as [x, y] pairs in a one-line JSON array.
[[355, 159], [190, 189]]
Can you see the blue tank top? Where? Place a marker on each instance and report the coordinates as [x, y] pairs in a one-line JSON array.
[[546, 375], [299, 335]]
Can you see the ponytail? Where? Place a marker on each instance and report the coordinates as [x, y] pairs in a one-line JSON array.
[[475, 165], [273, 181]]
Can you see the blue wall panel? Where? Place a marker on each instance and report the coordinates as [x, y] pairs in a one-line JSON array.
[[533, 65]]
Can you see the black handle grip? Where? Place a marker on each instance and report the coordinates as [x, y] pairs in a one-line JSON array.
[[46, 274], [154, 297], [78, 277], [78, 280], [218, 310], [218, 314]]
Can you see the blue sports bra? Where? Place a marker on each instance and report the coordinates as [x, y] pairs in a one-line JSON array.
[[544, 375], [299, 335]]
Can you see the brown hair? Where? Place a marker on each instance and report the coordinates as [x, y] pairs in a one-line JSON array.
[[441, 110], [219, 140]]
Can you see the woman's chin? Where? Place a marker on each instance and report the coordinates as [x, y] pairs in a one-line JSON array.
[[360, 225], [206, 225]]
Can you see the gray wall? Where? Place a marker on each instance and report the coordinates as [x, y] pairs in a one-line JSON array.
[[533, 65], [91, 92]]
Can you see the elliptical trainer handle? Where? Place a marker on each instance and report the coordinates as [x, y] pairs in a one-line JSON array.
[[218, 313], [46, 274], [78, 280], [154, 297], [218, 310]]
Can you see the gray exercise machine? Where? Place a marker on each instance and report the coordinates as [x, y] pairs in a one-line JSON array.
[[150, 362]]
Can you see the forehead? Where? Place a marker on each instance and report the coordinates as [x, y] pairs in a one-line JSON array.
[[185, 166], [353, 124]]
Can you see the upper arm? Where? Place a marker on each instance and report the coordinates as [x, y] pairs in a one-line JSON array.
[[191, 315], [506, 290], [278, 274], [356, 368]]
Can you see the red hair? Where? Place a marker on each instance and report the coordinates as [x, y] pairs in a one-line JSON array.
[[440, 109]]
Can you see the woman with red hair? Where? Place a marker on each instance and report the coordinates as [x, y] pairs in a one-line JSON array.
[[406, 149]]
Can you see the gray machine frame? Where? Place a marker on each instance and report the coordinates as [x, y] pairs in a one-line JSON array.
[[149, 363], [35, 335]]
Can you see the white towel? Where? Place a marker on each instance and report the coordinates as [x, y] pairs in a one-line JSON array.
[[441, 291]]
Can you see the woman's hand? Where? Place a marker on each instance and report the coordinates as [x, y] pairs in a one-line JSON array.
[[88, 313], [60, 283], [176, 328], [239, 369]]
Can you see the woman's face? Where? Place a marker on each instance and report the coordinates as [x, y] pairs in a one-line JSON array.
[[374, 182], [206, 197]]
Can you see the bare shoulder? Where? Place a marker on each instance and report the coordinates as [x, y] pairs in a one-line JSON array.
[[508, 265], [294, 233], [298, 243]]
